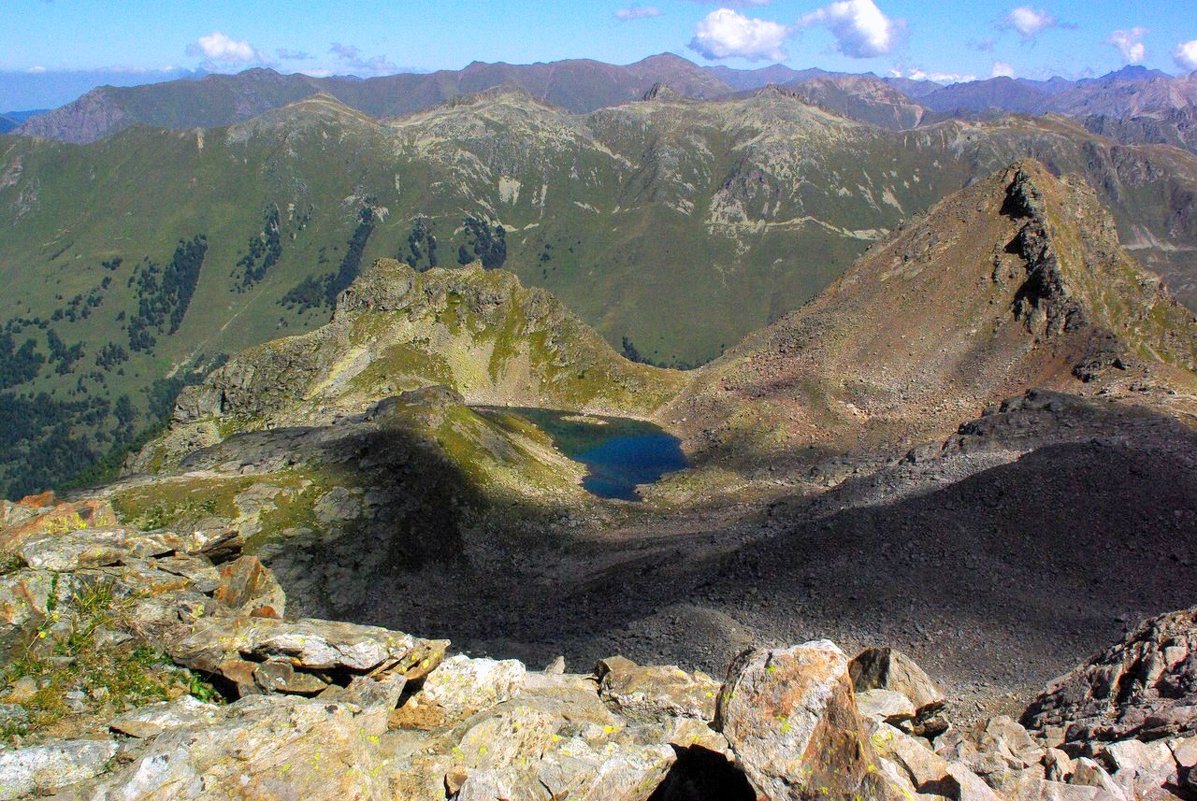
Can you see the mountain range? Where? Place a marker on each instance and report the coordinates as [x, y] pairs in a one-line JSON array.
[[1160, 104], [674, 225]]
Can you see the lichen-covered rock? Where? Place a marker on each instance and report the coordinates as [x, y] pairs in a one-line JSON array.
[[309, 644], [93, 547], [458, 688], [25, 598], [792, 723], [261, 747], [248, 587], [150, 721], [29, 519], [656, 692], [280, 676], [926, 771], [1144, 686], [46, 768]]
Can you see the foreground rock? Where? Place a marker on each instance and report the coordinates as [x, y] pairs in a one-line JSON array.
[[792, 722], [317, 709]]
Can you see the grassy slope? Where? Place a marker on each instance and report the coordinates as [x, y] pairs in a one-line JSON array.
[[680, 225]]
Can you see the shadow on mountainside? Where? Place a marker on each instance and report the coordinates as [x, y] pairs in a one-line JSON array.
[[995, 582]]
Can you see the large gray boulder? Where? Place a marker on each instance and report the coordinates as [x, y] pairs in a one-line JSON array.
[[45, 768]]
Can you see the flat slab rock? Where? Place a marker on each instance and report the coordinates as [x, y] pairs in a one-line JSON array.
[[309, 644], [46, 768]]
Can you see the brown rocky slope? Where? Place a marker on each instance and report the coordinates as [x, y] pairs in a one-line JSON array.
[[1018, 281]]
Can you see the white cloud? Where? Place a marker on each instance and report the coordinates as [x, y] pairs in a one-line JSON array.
[[637, 12], [293, 55], [732, 3], [1185, 55], [725, 33], [919, 74], [1002, 70], [861, 29], [1129, 44], [351, 57], [37, 70], [219, 48], [1029, 22]]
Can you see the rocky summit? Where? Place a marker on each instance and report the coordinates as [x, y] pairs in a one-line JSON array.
[[161, 665]]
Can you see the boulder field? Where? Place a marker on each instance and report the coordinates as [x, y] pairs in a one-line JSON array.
[[162, 665]]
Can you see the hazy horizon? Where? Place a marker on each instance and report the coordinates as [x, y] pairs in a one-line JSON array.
[[55, 50]]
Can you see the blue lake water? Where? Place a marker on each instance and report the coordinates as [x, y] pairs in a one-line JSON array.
[[619, 453]]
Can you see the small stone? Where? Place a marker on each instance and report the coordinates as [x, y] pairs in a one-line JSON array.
[[280, 676]]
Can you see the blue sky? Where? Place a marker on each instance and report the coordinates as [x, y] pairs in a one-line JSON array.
[[48, 48]]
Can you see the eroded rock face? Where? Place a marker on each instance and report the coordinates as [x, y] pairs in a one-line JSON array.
[[1143, 687], [792, 722]]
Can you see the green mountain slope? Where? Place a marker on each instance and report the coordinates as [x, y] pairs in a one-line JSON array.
[[672, 226]]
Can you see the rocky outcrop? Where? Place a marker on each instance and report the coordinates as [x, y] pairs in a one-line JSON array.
[[315, 709], [479, 332], [1144, 687]]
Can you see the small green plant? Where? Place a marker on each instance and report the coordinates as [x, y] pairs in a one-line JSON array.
[[78, 672], [203, 689]]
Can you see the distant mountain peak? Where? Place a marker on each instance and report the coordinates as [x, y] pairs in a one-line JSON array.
[[1133, 72], [672, 59], [1014, 282]]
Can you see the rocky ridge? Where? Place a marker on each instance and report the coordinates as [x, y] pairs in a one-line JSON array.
[[319, 709], [1017, 281]]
